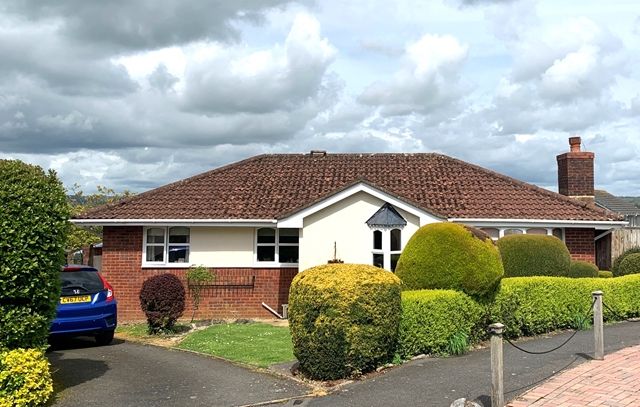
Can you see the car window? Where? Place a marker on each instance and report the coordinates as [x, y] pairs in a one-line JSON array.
[[80, 282]]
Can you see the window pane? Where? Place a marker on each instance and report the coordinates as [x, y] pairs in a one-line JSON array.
[[155, 253], [288, 254], [512, 232], [155, 235], [266, 253], [557, 233], [178, 235], [492, 232], [395, 240], [394, 261], [377, 240], [378, 260], [266, 235], [536, 231], [288, 236], [178, 254]]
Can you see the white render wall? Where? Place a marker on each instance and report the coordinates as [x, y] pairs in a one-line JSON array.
[[344, 223], [222, 246]]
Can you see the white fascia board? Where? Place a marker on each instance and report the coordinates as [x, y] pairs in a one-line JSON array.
[[297, 219], [549, 223], [176, 222]]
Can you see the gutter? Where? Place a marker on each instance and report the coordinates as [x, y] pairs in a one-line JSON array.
[[175, 222], [615, 224]]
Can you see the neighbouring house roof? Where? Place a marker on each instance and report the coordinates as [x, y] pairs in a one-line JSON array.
[[386, 216], [277, 185], [614, 203]]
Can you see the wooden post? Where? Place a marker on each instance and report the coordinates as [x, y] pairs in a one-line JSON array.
[[598, 330], [497, 385]]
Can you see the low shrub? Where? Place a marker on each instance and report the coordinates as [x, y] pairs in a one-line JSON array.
[[605, 274], [344, 319], [450, 256], [162, 299], [534, 305], [615, 268], [25, 379], [629, 265], [583, 269], [437, 321], [534, 255]]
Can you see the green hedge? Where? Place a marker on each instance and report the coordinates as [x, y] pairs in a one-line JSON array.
[[25, 379], [450, 256], [431, 318], [615, 268], [534, 255], [629, 265], [33, 229], [580, 269], [534, 305], [344, 319], [605, 274]]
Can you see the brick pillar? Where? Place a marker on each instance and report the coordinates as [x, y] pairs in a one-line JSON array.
[[581, 244], [575, 172]]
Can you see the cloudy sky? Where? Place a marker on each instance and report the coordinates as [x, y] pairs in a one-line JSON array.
[[135, 94]]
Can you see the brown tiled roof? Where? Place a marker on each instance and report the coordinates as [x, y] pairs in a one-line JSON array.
[[273, 186]]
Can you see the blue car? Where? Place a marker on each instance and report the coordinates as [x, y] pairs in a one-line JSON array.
[[87, 306]]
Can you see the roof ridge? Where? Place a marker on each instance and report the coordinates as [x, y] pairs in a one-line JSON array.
[[551, 194]]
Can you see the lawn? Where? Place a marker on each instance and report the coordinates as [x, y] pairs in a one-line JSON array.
[[255, 344]]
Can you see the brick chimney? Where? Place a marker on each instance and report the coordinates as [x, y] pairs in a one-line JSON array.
[[575, 172]]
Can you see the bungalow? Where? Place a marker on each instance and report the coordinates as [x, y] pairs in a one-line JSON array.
[[259, 221]]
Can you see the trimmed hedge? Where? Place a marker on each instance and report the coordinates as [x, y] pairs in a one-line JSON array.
[[615, 268], [162, 298], [344, 319], [630, 264], [431, 318], [582, 269], [25, 379], [450, 256], [605, 274], [534, 255], [33, 232], [534, 305]]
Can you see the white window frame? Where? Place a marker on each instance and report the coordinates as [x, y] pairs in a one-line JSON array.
[[277, 244], [386, 251], [166, 245]]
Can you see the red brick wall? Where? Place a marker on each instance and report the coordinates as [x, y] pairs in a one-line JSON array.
[[121, 266], [581, 244], [575, 174]]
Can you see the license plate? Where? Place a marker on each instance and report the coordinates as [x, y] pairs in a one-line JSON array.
[[74, 300]]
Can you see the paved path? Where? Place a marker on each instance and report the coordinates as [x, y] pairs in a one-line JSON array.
[[612, 382], [128, 374], [437, 382]]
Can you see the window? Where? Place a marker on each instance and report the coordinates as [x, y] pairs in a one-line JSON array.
[[277, 245], [494, 233], [536, 231], [508, 232], [167, 245], [387, 246], [559, 233]]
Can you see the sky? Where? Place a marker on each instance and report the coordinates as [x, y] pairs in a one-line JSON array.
[[132, 95]]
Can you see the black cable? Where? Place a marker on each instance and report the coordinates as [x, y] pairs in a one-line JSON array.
[[618, 316]]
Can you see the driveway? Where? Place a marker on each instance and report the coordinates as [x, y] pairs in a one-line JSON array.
[[128, 374]]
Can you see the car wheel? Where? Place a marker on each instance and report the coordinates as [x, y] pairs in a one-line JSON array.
[[104, 338]]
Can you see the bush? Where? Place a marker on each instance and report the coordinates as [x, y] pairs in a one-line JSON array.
[[33, 230], [25, 379], [450, 256], [162, 299], [344, 319], [534, 305], [583, 269], [434, 319], [615, 268], [629, 265], [605, 274], [534, 255]]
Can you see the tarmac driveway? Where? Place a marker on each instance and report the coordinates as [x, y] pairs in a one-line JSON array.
[[128, 374]]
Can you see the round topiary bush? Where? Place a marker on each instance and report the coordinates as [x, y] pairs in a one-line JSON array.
[[583, 269], [605, 274], [450, 256], [162, 299], [33, 233], [344, 319], [629, 265], [534, 255], [615, 268]]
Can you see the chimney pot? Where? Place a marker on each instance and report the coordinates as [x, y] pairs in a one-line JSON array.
[[575, 142]]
